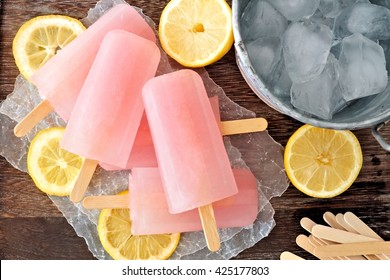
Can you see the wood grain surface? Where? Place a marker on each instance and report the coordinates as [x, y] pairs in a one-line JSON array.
[[31, 227]]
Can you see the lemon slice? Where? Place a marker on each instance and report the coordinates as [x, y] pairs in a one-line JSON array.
[[196, 33], [40, 38], [322, 163], [53, 169], [114, 229]]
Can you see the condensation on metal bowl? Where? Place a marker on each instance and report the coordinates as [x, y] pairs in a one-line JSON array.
[[369, 112]]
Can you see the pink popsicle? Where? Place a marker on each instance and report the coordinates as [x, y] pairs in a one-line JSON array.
[[60, 80], [108, 111], [193, 163], [143, 154], [149, 210]]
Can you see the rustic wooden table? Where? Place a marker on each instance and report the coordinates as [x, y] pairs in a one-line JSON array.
[[31, 227]]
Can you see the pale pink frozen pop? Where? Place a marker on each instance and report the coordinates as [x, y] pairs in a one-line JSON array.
[[108, 111], [62, 77], [149, 210], [143, 154], [193, 163], [59, 81]]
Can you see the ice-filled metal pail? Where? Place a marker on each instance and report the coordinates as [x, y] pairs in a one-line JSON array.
[[369, 112]]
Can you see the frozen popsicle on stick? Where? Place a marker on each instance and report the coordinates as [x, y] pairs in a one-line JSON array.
[[193, 163], [150, 214], [60, 80], [149, 209], [108, 111], [143, 154]]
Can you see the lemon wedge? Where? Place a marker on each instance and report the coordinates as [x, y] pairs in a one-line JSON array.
[[53, 170], [196, 33], [322, 163], [114, 229], [40, 38]]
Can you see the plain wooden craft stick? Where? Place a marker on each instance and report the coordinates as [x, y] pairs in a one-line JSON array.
[[33, 118], [330, 219], [340, 220], [82, 182], [106, 202], [327, 242], [290, 256], [342, 223], [317, 242], [351, 249], [360, 226], [210, 229], [339, 236], [308, 225], [303, 242], [363, 229], [243, 126]]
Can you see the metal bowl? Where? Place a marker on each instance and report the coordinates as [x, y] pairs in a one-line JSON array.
[[369, 112]]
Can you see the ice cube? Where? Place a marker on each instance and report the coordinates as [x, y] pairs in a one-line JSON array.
[[336, 50], [332, 8], [295, 10], [372, 21], [321, 96], [386, 48], [306, 47], [385, 3], [319, 18], [265, 54], [362, 67], [260, 19], [280, 82], [266, 57]]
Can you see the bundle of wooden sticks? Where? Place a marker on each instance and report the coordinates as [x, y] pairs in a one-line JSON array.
[[345, 238]]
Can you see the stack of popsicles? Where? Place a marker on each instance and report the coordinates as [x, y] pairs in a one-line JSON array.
[[121, 115]]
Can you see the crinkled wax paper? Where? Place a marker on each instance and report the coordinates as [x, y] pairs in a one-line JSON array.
[[257, 151]]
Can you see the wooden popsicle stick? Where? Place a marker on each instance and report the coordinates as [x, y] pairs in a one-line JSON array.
[[308, 225], [82, 182], [340, 220], [323, 242], [210, 229], [330, 219], [33, 118], [107, 202], [339, 236], [289, 256], [303, 242], [351, 249], [360, 226], [243, 126], [363, 229], [316, 242]]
